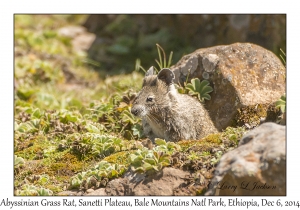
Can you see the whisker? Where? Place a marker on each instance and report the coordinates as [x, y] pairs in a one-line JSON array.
[[152, 118]]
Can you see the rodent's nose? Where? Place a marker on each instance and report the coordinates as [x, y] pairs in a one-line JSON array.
[[134, 111]]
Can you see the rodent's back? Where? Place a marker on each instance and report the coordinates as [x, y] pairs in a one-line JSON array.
[[193, 113]]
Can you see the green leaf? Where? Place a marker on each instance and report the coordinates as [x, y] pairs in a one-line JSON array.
[[160, 141], [135, 160], [67, 116], [75, 182], [164, 158], [155, 168], [196, 84], [25, 94], [128, 117], [71, 118], [281, 103], [92, 129], [139, 169], [201, 89], [30, 126], [43, 179], [44, 192], [147, 166], [79, 176], [190, 87], [137, 130], [117, 141], [35, 123], [19, 161], [150, 161], [113, 173]]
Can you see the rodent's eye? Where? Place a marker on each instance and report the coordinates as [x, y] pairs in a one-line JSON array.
[[149, 99]]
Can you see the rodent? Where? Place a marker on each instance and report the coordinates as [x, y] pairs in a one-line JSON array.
[[167, 114]]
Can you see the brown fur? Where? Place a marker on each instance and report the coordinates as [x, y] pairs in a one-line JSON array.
[[168, 114]]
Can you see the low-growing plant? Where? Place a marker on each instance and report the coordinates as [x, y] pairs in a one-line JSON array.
[[99, 172], [281, 104], [216, 158], [199, 89], [233, 134], [144, 160], [32, 190], [193, 156], [66, 116], [97, 145], [116, 116], [167, 147], [18, 161]]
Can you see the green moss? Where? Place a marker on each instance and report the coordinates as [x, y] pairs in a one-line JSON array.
[[66, 165], [201, 191], [252, 115], [213, 138], [203, 145], [32, 148], [120, 158], [185, 144]]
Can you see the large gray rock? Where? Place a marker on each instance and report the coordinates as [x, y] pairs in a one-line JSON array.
[[241, 74], [256, 167]]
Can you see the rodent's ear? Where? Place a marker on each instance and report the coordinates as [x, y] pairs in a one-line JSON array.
[[150, 72], [166, 75]]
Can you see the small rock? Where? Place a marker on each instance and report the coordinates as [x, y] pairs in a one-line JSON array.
[[90, 191], [98, 192], [80, 193], [67, 193]]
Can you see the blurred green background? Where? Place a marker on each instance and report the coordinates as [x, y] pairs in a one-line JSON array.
[[121, 39]]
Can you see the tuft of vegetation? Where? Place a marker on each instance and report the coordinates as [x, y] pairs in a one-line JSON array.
[[199, 89], [282, 55], [97, 176], [162, 62], [281, 104], [32, 190], [145, 160]]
